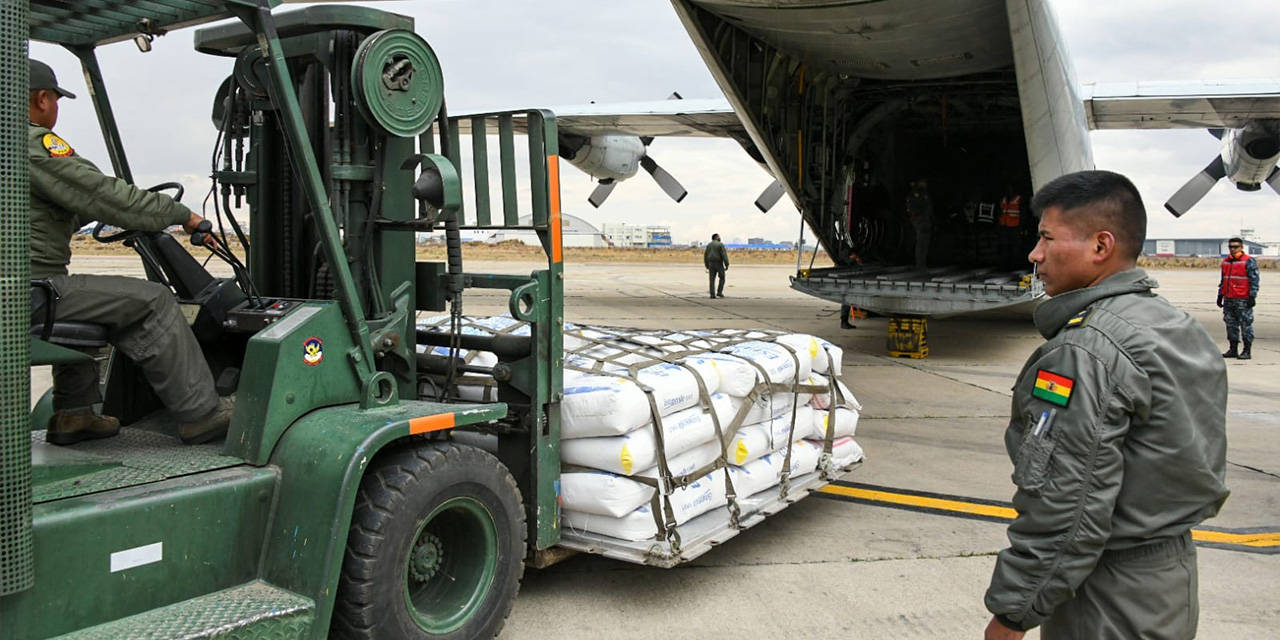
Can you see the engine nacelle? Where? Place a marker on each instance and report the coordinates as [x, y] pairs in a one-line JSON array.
[[1249, 154], [608, 158]]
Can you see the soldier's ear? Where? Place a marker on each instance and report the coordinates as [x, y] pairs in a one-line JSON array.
[[1104, 245]]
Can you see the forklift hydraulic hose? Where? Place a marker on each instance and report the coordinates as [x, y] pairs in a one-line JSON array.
[[504, 346]]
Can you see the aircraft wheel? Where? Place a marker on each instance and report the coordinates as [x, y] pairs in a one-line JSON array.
[[436, 548]]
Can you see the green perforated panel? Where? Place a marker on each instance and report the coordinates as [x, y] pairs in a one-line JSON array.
[[16, 559]]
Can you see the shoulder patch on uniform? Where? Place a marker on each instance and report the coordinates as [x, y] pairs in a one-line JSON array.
[[1080, 319], [1053, 387], [56, 146]]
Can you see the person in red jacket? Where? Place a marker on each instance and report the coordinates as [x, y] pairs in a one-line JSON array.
[[1237, 294]]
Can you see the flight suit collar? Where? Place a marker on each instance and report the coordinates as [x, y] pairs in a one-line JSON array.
[[1053, 315]]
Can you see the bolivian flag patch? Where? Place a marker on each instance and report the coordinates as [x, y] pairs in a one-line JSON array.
[[1053, 388]]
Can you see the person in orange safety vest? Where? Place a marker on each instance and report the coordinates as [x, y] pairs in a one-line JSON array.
[[1237, 294]]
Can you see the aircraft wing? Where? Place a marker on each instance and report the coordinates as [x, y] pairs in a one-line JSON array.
[[701, 118], [1200, 104]]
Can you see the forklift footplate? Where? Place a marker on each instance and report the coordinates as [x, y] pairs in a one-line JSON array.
[[255, 611], [134, 457]]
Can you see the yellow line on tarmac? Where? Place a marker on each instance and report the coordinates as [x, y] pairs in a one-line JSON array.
[[922, 501], [1259, 540]]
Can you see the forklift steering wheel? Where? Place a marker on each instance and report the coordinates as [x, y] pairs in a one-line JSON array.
[[97, 229]]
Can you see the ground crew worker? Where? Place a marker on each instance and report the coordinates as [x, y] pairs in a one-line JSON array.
[[1009, 223], [1117, 435], [920, 213], [1237, 294], [142, 318], [716, 259]]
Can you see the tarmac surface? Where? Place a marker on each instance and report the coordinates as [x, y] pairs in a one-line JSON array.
[[826, 568]]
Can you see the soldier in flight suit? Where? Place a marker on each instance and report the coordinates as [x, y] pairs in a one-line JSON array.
[[716, 259], [142, 318], [1117, 435], [1237, 294]]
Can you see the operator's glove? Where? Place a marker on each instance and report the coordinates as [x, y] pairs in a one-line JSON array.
[[1219, 300], [1252, 301]]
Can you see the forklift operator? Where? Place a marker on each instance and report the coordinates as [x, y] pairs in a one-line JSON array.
[[142, 318]]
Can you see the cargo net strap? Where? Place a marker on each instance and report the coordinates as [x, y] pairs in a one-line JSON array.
[[607, 352]]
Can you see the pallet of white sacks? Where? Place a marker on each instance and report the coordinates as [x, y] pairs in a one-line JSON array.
[[673, 442]]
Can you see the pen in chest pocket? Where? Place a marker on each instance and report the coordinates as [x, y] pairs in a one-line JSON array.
[[1045, 423]]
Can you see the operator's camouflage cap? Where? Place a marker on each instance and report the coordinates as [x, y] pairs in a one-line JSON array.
[[42, 77]]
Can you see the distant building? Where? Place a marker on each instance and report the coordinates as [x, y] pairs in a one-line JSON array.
[[757, 241], [1197, 247], [574, 232], [636, 235]]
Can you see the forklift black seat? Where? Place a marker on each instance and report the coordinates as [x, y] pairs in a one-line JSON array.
[[77, 335]]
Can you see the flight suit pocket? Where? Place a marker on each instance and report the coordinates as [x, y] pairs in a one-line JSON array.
[[1032, 464]]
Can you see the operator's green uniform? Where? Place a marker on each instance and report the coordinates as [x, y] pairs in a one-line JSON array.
[[1108, 490], [142, 318], [716, 258]]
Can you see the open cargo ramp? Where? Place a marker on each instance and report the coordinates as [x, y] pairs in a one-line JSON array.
[[939, 291]]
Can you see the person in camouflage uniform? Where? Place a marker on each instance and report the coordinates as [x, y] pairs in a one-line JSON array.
[[1117, 435], [1237, 295], [142, 318]]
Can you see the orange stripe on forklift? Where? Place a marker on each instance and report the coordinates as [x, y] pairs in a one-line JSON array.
[[553, 193], [427, 424]]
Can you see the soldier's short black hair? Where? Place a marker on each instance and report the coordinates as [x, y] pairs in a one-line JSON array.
[[1238, 240], [715, 236], [1102, 200]]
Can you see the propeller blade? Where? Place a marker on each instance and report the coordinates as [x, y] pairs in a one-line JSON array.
[[1217, 133], [601, 193], [675, 95], [770, 196], [1274, 179], [665, 180], [1196, 188]]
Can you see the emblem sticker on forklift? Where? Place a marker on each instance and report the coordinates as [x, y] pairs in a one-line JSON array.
[[313, 351], [137, 556]]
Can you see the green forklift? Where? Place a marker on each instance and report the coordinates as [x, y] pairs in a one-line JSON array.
[[341, 504]]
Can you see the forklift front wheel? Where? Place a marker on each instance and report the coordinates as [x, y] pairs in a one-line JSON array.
[[436, 548]]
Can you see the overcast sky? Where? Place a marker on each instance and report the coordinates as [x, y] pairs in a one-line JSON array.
[[516, 54]]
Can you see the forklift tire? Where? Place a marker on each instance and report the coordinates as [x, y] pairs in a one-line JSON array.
[[436, 549]]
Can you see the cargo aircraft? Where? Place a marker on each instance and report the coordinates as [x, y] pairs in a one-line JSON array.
[[846, 103]]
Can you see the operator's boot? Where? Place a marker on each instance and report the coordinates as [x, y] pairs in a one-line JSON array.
[[213, 425], [73, 425], [1247, 353], [1231, 353]]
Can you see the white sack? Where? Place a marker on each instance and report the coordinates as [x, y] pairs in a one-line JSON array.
[[602, 493], [636, 450], [823, 400], [686, 504], [756, 440], [845, 452], [601, 406], [846, 422], [834, 358], [687, 462], [758, 475], [806, 345], [737, 376], [775, 359]]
